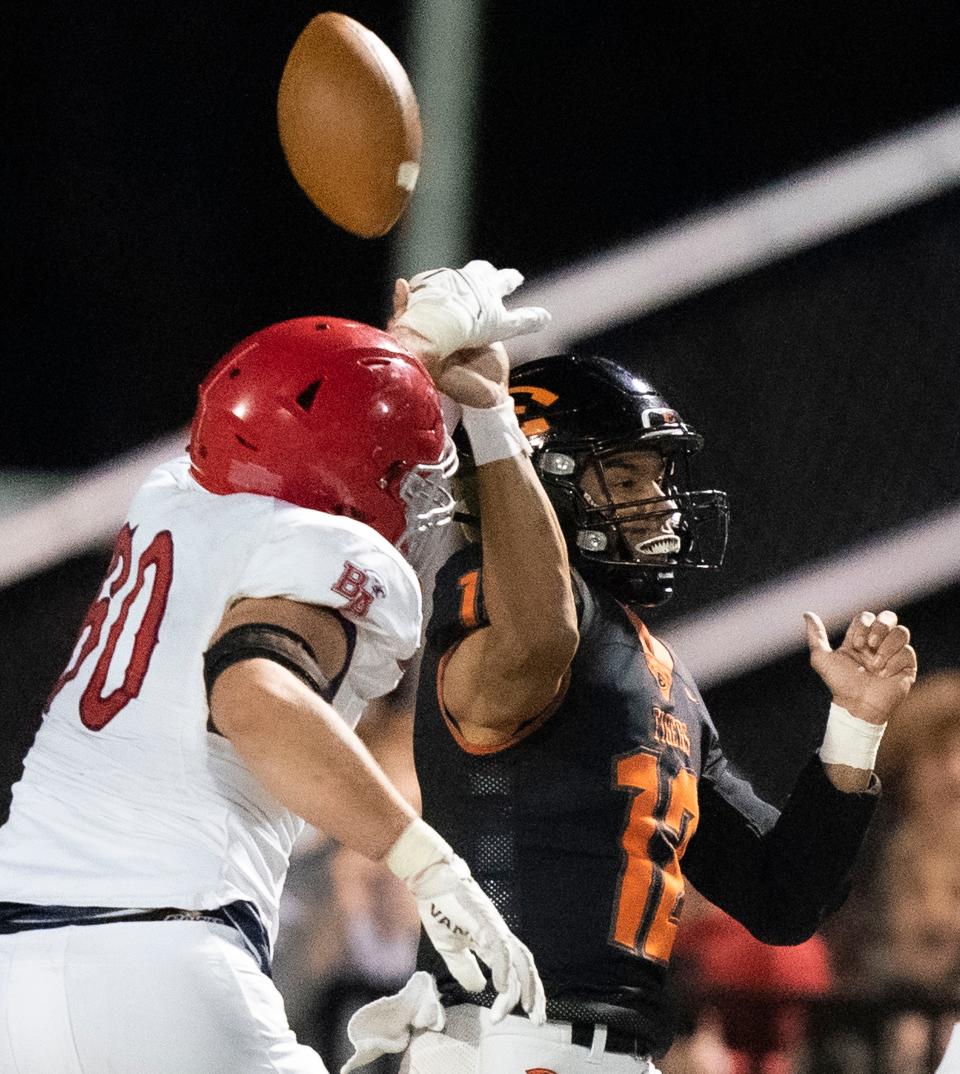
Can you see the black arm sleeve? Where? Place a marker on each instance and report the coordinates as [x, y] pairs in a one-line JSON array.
[[779, 874]]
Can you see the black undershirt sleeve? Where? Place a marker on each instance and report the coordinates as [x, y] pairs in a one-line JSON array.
[[779, 874]]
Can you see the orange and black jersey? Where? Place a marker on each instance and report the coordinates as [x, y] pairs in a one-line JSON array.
[[578, 826]]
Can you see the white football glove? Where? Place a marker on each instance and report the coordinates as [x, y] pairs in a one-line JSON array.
[[459, 919], [385, 1026], [463, 308]]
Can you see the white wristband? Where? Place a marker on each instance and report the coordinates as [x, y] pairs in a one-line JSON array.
[[418, 847], [494, 432], [850, 741]]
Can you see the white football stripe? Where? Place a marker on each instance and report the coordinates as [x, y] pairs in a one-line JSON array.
[[763, 624], [407, 174], [719, 244]]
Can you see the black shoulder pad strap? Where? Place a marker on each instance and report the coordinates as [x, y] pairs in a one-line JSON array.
[[269, 642]]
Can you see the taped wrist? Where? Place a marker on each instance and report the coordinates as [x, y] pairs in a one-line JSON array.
[[265, 641], [850, 741], [494, 432]]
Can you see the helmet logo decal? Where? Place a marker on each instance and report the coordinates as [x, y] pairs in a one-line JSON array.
[[658, 417], [533, 426]]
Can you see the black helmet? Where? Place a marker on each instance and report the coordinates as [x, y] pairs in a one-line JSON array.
[[577, 412]]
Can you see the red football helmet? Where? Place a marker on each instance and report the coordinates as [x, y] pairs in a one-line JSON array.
[[328, 414]]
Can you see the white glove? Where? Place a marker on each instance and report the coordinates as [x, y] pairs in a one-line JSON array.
[[459, 919], [385, 1026], [463, 308]]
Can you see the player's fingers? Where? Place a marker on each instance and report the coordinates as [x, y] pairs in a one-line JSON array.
[[525, 319], [880, 627], [904, 661], [856, 635], [482, 278], [465, 968], [538, 1009], [503, 972], [508, 280], [875, 636], [532, 998], [401, 296], [507, 999], [895, 640], [877, 633], [817, 639]]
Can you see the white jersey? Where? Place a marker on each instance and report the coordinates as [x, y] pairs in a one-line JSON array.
[[126, 799]]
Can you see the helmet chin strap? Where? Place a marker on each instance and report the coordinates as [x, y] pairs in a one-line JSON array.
[[641, 589]]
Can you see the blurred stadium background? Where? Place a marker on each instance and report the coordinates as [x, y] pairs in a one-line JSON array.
[[756, 204]]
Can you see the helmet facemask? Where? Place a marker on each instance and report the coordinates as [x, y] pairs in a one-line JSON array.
[[429, 506], [632, 546]]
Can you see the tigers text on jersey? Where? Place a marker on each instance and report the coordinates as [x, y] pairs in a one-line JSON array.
[[576, 827], [126, 798]]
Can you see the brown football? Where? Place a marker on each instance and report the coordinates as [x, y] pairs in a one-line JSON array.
[[349, 124]]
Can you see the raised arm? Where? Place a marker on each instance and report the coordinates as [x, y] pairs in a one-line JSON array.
[[781, 874], [513, 668], [510, 670]]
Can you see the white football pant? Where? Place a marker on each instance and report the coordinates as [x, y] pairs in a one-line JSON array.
[[471, 1045], [164, 997]]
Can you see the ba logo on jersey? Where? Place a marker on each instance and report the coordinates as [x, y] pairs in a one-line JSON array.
[[359, 587], [539, 1070]]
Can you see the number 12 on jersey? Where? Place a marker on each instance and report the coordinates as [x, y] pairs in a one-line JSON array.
[[661, 819]]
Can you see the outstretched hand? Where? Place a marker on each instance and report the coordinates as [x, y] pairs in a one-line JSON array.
[[873, 668]]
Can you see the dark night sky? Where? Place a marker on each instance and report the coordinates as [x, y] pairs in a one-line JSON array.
[[150, 222]]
